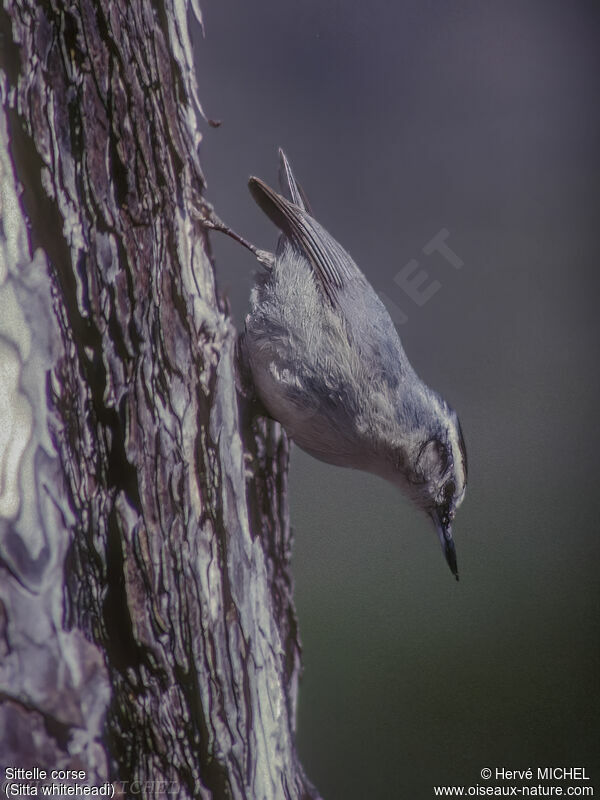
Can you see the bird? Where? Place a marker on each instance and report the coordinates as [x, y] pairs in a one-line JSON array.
[[328, 364]]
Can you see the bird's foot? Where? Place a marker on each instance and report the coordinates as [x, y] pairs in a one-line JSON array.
[[206, 216]]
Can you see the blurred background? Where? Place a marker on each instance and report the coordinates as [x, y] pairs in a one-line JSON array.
[[403, 119]]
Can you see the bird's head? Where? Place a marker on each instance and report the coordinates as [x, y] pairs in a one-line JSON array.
[[430, 465], [439, 479]]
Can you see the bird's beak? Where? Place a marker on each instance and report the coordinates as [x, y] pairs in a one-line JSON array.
[[447, 542]]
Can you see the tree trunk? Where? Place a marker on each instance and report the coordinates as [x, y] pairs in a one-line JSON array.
[[147, 632]]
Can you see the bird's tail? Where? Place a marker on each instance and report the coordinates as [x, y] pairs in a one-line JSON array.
[[290, 188]]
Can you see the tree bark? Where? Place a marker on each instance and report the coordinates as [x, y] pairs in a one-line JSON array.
[[147, 631]]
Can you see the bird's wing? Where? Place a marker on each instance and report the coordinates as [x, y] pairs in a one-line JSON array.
[[290, 187], [333, 267]]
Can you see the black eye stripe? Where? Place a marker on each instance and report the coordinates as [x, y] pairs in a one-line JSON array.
[[463, 449], [449, 490]]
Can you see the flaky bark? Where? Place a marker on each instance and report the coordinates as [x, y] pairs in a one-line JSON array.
[[147, 631]]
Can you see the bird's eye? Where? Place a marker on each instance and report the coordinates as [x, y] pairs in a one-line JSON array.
[[447, 510]]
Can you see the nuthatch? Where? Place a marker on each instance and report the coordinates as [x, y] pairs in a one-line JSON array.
[[328, 364]]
